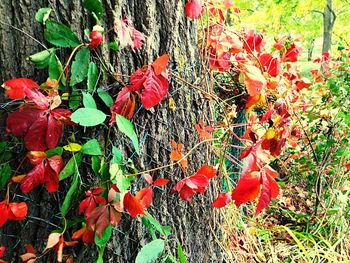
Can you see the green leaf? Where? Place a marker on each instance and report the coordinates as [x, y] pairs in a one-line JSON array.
[[106, 235], [105, 97], [170, 259], [71, 166], [92, 76], [89, 101], [54, 151], [94, 7], [180, 254], [55, 67], [91, 147], [164, 230], [126, 127], [117, 177], [117, 156], [5, 174], [73, 189], [100, 254], [60, 35], [80, 66], [149, 226], [74, 100], [88, 117], [114, 46], [95, 164], [41, 59], [5, 153], [43, 14], [150, 252]]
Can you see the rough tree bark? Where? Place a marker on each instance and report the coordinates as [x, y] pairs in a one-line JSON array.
[[329, 17], [194, 225]]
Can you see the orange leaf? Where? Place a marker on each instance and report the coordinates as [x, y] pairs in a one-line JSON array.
[[254, 80], [144, 197], [132, 205], [247, 189], [28, 257], [177, 154], [159, 65], [53, 239]]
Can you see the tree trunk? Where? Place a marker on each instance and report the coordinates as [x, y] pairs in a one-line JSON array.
[[194, 225], [310, 50], [328, 23]]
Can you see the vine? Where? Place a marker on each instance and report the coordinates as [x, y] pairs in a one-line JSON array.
[[273, 92]]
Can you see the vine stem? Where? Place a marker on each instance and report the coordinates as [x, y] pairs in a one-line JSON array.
[[23, 32], [9, 184], [183, 157], [68, 61]]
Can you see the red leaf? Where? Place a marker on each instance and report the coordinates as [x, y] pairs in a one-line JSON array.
[[155, 89], [269, 190], [219, 61], [86, 234], [188, 186], [19, 121], [267, 115], [148, 178], [128, 35], [45, 172], [123, 105], [36, 157], [18, 211], [144, 197], [33, 178], [253, 79], [39, 99], [194, 9], [253, 42], [51, 179], [137, 79], [228, 3], [56, 163], [12, 211], [96, 39], [270, 64], [247, 189], [186, 193], [160, 64], [15, 88], [2, 251], [35, 138], [89, 203], [160, 182], [132, 205], [207, 170], [292, 53], [222, 200], [62, 116], [41, 128], [53, 133], [100, 218]]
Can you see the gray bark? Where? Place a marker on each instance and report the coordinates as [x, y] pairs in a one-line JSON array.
[[329, 18], [194, 225]]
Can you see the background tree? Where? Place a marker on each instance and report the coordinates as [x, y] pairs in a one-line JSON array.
[[194, 225], [299, 18]]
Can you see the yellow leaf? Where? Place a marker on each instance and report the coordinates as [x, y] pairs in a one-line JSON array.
[[72, 147], [65, 96], [55, 102], [270, 134]]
